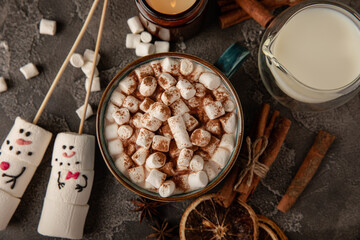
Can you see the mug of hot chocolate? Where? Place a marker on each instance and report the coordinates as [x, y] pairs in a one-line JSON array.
[[170, 125]]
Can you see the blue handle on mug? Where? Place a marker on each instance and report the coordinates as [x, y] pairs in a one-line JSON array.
[[231, 59]]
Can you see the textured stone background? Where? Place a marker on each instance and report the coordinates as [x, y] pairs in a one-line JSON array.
[[329, 208]]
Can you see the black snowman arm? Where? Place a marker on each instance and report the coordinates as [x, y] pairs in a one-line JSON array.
[[79, 187], [60, 184], [14, 178]]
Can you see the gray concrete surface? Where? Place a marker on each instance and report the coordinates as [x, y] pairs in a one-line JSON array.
[[329, 208]]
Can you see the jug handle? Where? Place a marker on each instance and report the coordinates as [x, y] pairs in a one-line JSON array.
[[232, 59]]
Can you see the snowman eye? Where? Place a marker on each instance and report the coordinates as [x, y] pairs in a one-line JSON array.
[[7, 142], [18, 153], [77, 162], [68, 164], [27, 134], [21, 130], [64, 147], [29, 153], [71, 147]]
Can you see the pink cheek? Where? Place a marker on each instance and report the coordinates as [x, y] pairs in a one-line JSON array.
[[4, 166]]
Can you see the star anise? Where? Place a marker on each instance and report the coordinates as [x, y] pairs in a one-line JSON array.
[[162, 232], [147, 208]]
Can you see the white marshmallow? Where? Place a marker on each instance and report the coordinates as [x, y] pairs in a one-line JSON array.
[[117, 98], [160, 111], [123, 163], [170, 65], [156, 66], [15, 175], [95, 86], [139, 157], [89, 56], [200, 90], [87, 67], [144, 49], [148, 86], [47, 27], [165, 130], [135, 25], [190, 122], [185, 157], [200, 137], [164, 34], [131, 103], [145, 37], [197, 163], [214, 126], [179, 108], [210, 80], [89, 111], [178, 129], [187, 90], [29, 71], [62, 220], [182, 183], [229, 106], [156, 160], [156, 178], [227, 142], [151, 123], [27, 142], [110, 109], [211, 169], [144, 71], [115, 147], [221, 156], [198, 180], [162, 46], [211, 147], [198, 70], [77, 60], [145, 104], [166, 81], [110, 131], [167, 188], [132, 40], [186, 66], [145, 138], [125, 132], [228, 122], [137, 174], [194, 102], [214, 110], [128, 85], [221, 94], [121, 116], [8, 205], [161, 143], [136, 120], [3, 85], [170, 95]]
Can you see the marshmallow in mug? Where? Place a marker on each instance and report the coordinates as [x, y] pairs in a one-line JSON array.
[[178, 129], [167, 188]]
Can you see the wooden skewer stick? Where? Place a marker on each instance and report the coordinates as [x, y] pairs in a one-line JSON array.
[[97, 47], [66, 62]]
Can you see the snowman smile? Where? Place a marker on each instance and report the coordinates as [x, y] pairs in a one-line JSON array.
[[21, 141], [68, 156]]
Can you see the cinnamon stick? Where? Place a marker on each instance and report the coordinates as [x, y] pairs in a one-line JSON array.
[[271, 124], [257, 11], [276, 140], [229, 7], [307, 170], [265, 110], [224, 2], [226, 195]]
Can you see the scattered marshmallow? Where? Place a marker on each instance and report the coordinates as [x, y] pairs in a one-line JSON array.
[[161, 143], [200, 137], [47, 27], [29, 71], [162, 46], [197, 180], [190, 122], [123, 163], [156, 178], [77, 60], [170, 95], [196, 163], [160, 111], [125, 132], [131, 103], [179, 108], [95, 86], [135, 25], [148, 86], [170, 65], [156, 160], [156, 66], [228, 122], [167, 188], [210, 80], [144, 71], [144, 49], [132, 40], [145, 37], [89, 56], [3, 85], [145, 138], [178, 129], [115, 147], [87, 67], [185, 157], [110, 131], [139, 157], [166, 81], [89, 111], [187, 90], [145, 104], [137, 174], [200, 90], [214, 110], [121, 116], [186, 66], [194, 76], [149, 122], [221, 156], [117, 98], [227, 142], [128, 85]]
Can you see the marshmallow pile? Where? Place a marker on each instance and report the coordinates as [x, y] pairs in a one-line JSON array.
[[140, 40], [170, 126]]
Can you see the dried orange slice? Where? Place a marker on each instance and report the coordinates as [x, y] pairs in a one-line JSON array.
[[206, 219], [268, 230]]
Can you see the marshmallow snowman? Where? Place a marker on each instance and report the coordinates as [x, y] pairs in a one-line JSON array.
[[69, 186], [20, 155]]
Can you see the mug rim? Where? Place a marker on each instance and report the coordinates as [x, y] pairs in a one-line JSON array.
[[222, 173]]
